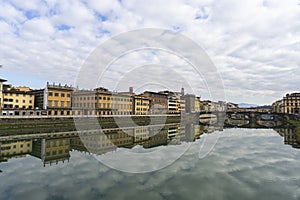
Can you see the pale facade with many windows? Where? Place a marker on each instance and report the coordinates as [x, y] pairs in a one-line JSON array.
[[291, 103]]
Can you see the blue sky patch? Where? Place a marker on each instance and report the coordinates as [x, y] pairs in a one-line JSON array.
[[101, 17], [63, 27], [30, 14]]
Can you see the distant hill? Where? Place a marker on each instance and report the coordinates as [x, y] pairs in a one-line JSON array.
[[247, 105]]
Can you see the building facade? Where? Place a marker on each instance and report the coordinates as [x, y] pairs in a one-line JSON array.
[[174, 102], [159, 102], [101, 101], [17, 101], [54, 99], [291, 103], [141, 105], [17, 97], [277, 106], [1, 89]]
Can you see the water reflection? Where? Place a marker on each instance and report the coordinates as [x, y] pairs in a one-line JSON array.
[[56, 148], [290, 136], [245, 164]]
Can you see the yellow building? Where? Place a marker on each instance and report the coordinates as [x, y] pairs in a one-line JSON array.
[[54, 99], [59, 99], [17, 98], [141, 105], [1, 95]]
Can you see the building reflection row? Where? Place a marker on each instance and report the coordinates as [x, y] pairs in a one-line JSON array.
[[57, 148]]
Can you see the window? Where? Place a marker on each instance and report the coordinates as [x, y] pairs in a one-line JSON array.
[[50, 94], [62, 104], [17, 100], [30, 101], [23, 101], [56, 94], [17, 95], [62, 94], [50, 103], [56, 103], [68, 95]]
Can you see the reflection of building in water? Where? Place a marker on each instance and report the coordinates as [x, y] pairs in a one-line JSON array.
[[189, 133], [98, 142], [290, 137], [173, 132], [140, 134], [197, 131], [12, 149], [57, 147], [159, 136], [51, 150]]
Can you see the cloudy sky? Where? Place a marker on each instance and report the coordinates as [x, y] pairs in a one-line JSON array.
[[255, 44]]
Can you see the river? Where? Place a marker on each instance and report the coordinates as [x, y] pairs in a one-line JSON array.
[[153, 162]]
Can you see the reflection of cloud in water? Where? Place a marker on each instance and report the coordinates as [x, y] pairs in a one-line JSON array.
[[239, 167]]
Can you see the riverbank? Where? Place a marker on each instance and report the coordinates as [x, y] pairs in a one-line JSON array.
[[12, 126]]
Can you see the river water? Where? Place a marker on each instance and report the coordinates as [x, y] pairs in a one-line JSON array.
[[190, 162]]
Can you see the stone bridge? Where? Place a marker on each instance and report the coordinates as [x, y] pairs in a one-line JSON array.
[[258, 119], [248, 119]]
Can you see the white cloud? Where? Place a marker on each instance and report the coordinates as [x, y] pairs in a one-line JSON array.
[[252, 43]]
